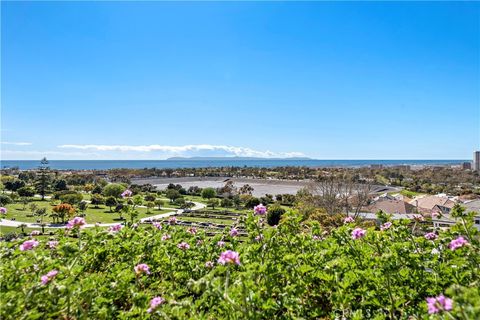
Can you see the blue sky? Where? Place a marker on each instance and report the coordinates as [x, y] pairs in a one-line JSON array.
[[339, 80]]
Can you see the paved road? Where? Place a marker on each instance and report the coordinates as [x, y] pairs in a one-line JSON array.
[[12, 223]]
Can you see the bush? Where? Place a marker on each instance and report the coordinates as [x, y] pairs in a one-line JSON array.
[[150, 197], [274, 214], [97, 199], [113, 190], [251, 202], [72, 198], [4, 200], [26, 192], [293, 271], [209, 193]]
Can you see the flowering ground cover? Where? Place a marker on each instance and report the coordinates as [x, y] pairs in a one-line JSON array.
[[295, 270]]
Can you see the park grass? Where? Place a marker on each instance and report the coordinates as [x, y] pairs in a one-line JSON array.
[[101, 214]]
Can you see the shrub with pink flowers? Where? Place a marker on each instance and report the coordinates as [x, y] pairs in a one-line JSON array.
[[77, 222], [297, 270]]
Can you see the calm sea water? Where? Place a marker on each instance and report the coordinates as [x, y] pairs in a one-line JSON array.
[[163, 164]]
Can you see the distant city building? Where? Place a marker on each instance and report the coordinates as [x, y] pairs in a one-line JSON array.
[[476, 161], [467, 165]]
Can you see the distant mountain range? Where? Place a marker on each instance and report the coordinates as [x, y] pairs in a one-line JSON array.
[[236, 158]]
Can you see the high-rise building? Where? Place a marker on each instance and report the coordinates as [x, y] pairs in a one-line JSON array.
[[476, 161]]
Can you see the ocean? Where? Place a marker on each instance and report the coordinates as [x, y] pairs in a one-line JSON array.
[[174, 164]]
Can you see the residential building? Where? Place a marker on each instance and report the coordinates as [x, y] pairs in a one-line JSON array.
[[392, 206], [427, 204], [445, 220]]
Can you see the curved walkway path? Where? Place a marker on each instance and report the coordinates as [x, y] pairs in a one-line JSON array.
[[12, 223]]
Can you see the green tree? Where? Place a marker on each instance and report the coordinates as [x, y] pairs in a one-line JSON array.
[[26, 192], [137, 201], [111, 202], [113, 190], [43, 178], [226, 203], [33, 207], [41, 212], [24, 201], [60, 185], [97, 189], [150, 197], [212, 203], [4, 200], [150, 205], [159, 203], [97, 199], [208, 193], [82, 206], [72, 198], [172, 194]]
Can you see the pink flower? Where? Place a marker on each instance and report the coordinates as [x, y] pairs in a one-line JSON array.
[[172, 220], [209, 264], [29, 245], [127, 193], [166, 237], [49, 276], [52, 244], [199, 242], [35, 233], [154, 303], [348, 219], [260, 210], [135, 225], [229, 257], [431, 236], [221, 244], [440, 303], [358, 233], [385, 226], [457, 243], [142, 268], [233, 232], [157, 225], [315, 237], [77, 222], [183, 246], [192, 230], [115, 228], [3, 210]]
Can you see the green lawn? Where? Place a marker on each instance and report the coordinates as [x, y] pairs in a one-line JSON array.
[[93, 215]]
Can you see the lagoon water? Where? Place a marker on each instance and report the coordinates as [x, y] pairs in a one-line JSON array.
[[174, 164]]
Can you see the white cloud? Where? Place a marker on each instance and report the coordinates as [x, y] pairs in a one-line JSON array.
[[17, 143], [187, 150]]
